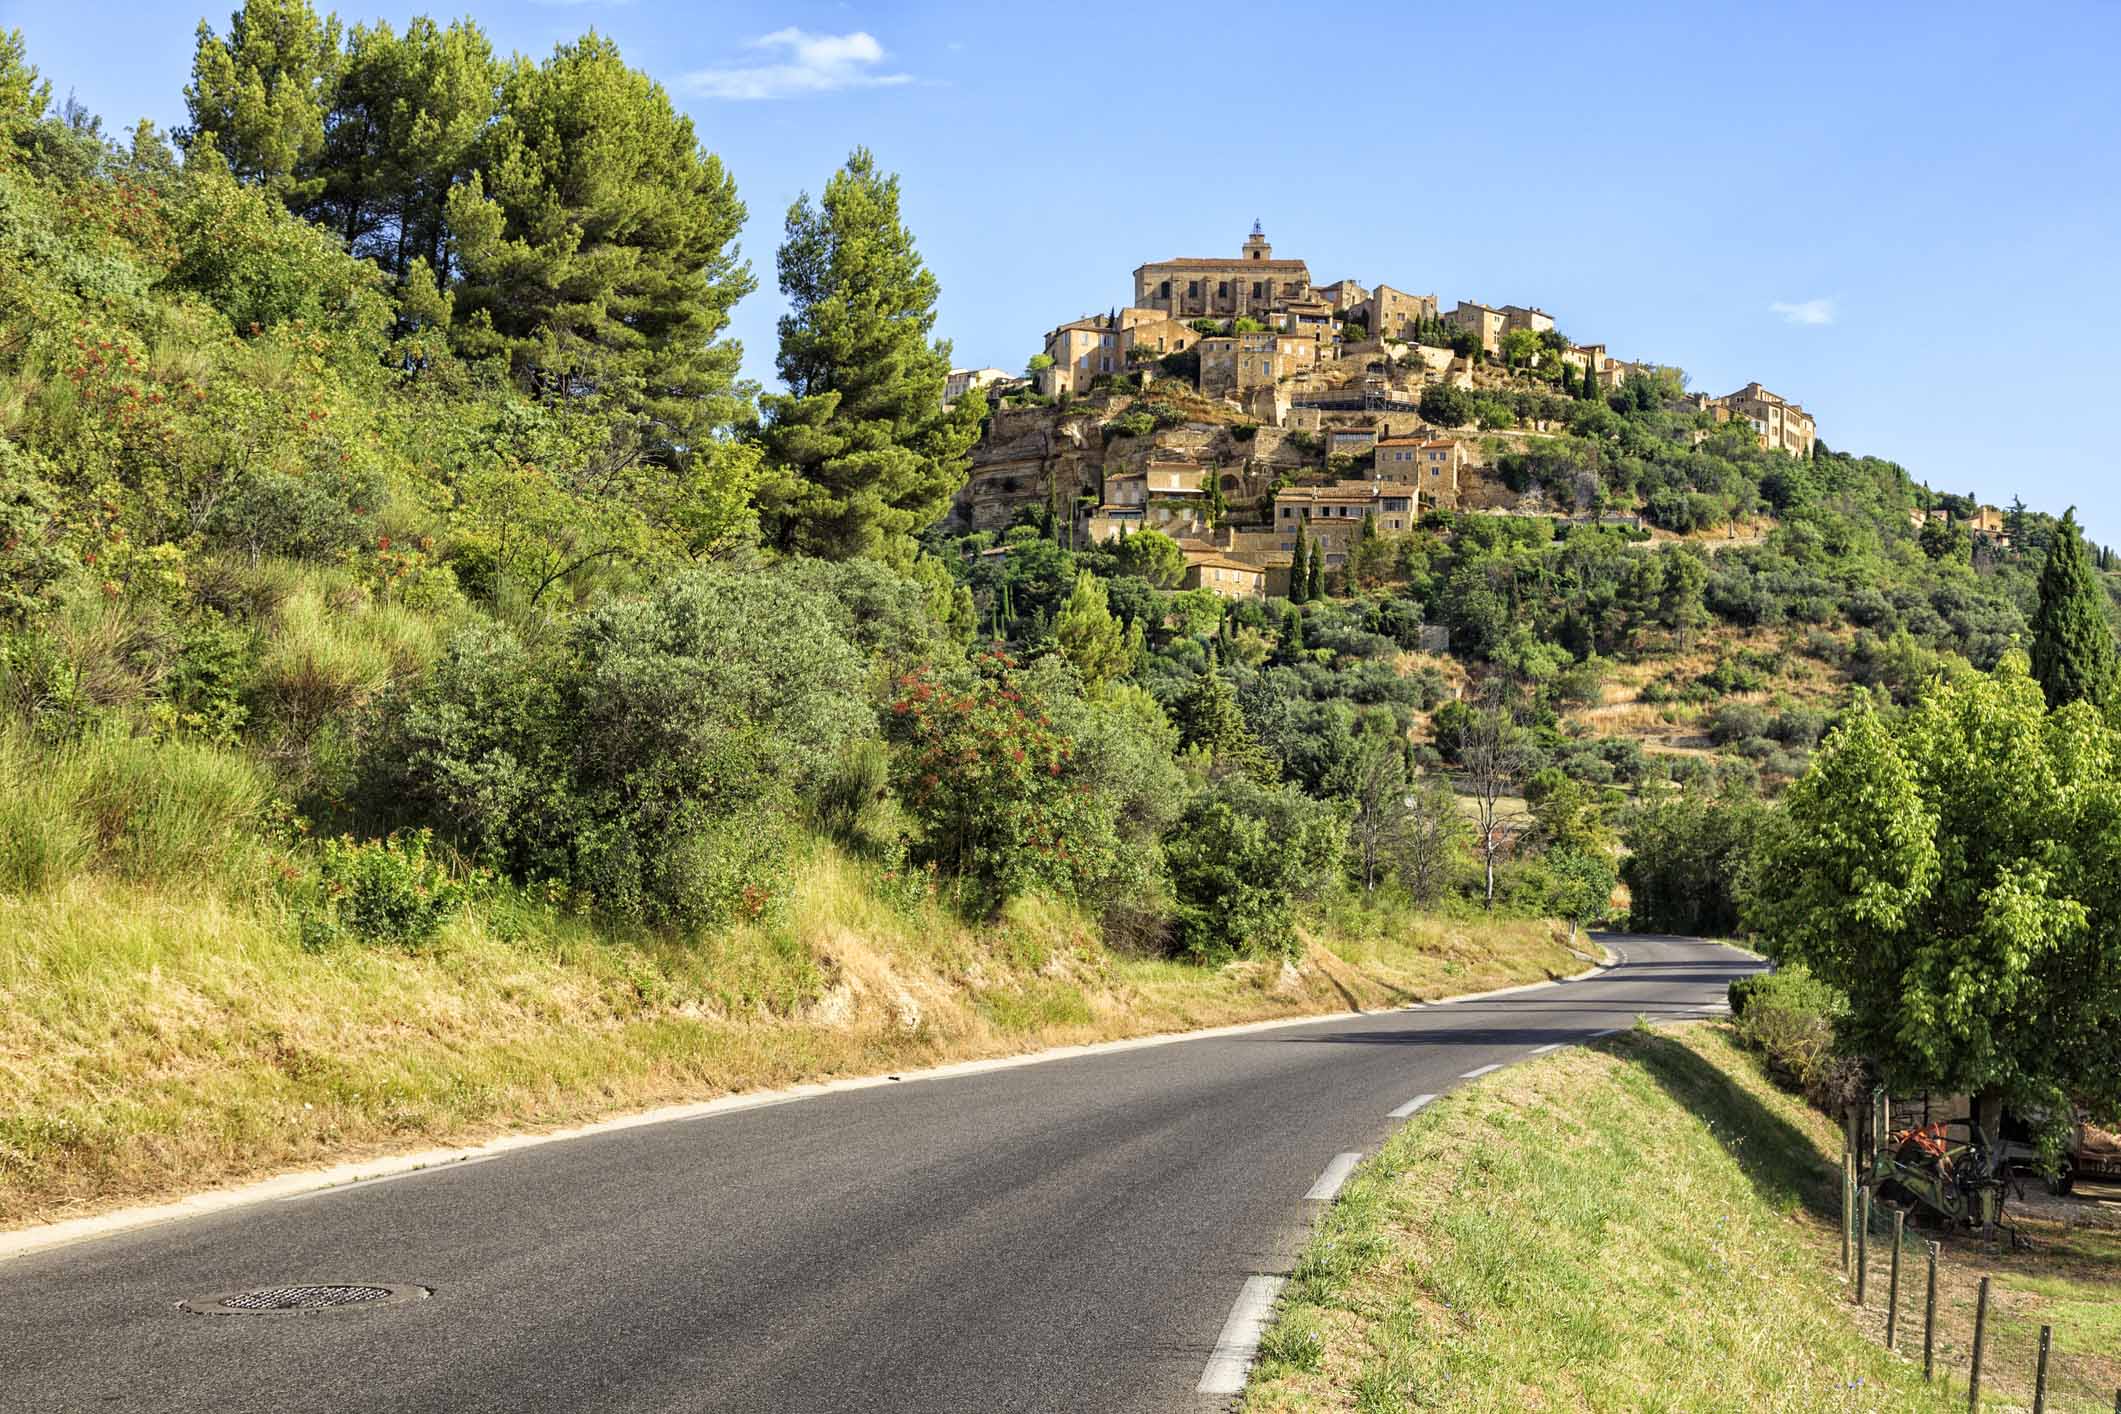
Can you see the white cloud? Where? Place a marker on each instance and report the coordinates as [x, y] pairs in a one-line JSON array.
[[813, 63], [1811, 311]]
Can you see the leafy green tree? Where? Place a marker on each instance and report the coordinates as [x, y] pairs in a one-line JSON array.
[[1088, 636], [1373, 782], [1957, 873], [1583, 883], [597, 251], [1429, 843], [1242, 856], [260, 94], [861, 451], [2073, 644], [1946, 540], [1685, 854], [1520, 347], [1446, 405], [1152, 556]]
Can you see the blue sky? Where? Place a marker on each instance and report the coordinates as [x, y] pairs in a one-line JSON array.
[[1904, 217]]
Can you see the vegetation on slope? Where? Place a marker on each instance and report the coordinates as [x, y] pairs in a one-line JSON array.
[[1642, 1224]]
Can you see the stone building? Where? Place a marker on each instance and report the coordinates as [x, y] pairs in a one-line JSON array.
[[1432, 463], [1783, 425], [1253, 285], [1081, 349], [1234, 364], [1393, 314], [1342, 296], [1333, 515], [1517, 316], [1485, 323], [963, 380], [1231, 578]]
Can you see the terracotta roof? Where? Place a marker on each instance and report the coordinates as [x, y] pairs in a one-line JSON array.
[[1221, 562], [1205, 263]]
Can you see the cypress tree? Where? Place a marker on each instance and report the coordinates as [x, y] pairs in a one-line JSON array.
[[861, 455], [2073, 645], [1590, 380], [1300, 569], [1317, 588]]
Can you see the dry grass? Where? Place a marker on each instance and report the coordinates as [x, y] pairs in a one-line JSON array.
[[155, 1039]]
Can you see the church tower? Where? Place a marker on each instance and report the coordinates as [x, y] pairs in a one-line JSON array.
[[1256, 247]]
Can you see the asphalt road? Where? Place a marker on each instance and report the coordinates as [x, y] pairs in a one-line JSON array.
[[1068, 1236]]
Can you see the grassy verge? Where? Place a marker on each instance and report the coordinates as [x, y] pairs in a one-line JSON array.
[[156, 1040], [1644, 1224]]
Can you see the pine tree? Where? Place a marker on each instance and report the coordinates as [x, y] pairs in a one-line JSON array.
[[1300, 569], [2073, 644], [598, 251], [259, 97], [861, 454], [1088, 636], [1208, 717]]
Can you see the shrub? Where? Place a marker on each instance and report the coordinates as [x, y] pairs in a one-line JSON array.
[[1790, 1016], [386, 891], [650, 763], [1242, 855]]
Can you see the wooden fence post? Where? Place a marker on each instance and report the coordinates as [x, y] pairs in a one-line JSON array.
[[1863, 1245], [1973, 1389], [2040, 1379], [1892, 1298], [1929, 1323]]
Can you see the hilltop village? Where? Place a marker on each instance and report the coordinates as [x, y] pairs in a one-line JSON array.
[[1233, 400]]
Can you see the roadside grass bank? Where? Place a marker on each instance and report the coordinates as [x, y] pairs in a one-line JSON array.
[[1644, 1223], [158, 1039]]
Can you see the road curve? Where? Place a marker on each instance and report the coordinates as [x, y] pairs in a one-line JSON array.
[[1068, 1236]]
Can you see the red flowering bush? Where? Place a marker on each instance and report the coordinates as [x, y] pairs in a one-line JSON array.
[[993, 782]]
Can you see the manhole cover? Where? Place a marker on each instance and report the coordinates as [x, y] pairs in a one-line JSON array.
[[295, 1300]]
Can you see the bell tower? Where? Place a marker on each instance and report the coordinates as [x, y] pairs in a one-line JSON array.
[[1256, 247]]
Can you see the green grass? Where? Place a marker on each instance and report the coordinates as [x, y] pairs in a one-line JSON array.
[[1632, 1226]]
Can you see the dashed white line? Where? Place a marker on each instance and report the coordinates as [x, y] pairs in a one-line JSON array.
[[1609, 1031], [1239, 1340], [1413, 1106], [1335, 1175], [1544, 1049], [1476, 1074]]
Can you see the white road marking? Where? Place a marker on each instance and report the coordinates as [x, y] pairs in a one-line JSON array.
[[1544, 1049], [349, 1187], [22, 1242], [1239, 1342], [1476, 1074], [1413, 1106], [1609, 1031], [1335, 1175]]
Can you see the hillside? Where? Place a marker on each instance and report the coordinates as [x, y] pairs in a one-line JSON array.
[[437, 692]]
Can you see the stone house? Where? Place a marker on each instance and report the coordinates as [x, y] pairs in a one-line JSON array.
[[963, 380], [1234, 364], [1986, 520], [1333, 515], [1485, 323], [1081, 349], [1783, 425], [1393, 314], [1517, 316], [1433, 464], [1254, 284], [1342, 296], [1156, 336], [1233, 579]]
